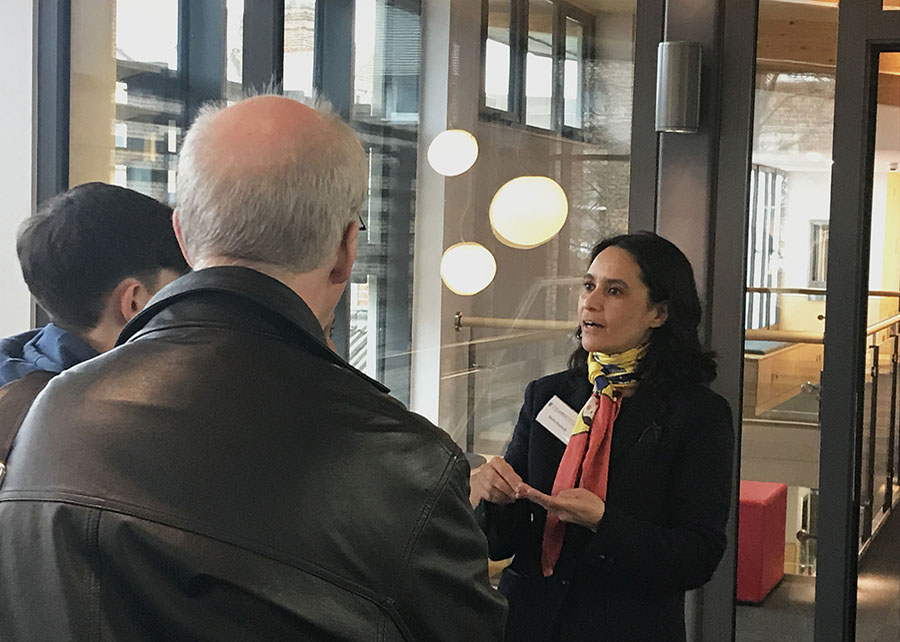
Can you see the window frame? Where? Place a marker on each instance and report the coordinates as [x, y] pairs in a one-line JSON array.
[[513, 89], [518, 39], [588, 55]]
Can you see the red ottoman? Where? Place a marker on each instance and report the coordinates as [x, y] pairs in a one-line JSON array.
[[760, 539]]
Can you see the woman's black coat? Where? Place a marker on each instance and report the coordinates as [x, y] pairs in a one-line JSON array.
[[663, 531]]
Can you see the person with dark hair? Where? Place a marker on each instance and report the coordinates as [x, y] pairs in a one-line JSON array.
[[609, 523], [92, 257]]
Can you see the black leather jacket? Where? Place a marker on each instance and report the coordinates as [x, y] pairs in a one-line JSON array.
[[224, 476]]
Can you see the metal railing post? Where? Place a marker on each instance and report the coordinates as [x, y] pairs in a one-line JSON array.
[[892, 429], [868, 506]]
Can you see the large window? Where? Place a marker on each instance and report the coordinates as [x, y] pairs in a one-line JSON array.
[[132, 83], [127, 107], [299, 36], [385, 114], [536, 58], [558, 90], [765, 244], [497, 54]]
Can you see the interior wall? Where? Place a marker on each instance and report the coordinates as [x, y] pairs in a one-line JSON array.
[[17, 163], [807, 200], [890, 265]]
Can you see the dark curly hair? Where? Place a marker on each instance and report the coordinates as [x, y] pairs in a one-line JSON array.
[[675, 353]]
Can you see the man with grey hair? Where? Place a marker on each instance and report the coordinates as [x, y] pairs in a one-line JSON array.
[[222, 474]]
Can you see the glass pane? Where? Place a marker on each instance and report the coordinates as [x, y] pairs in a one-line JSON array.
[[299, 34], [387, 46], [497, 55], [878, 585], [145, 34], [573, 74], [234, 48], [386, 73], [539, 65], [787, 234], [126, 107], [470, 380], [484, 369]]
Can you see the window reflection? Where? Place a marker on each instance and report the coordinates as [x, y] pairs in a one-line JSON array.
[[234, 49], [147, 34], [573, 74], [126, 105], [497, 55], [385, 114], [299, 35], [386, 73], [539, 65]]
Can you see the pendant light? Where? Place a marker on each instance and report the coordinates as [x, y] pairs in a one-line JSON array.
[[452, 152], [528, 211], [467, 268]]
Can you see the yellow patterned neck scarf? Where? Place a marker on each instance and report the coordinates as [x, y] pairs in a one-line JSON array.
[[611, 372], [585, 462]]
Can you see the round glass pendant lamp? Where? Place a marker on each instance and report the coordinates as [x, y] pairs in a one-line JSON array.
[[452, 152], [528, 211], [468, 268]]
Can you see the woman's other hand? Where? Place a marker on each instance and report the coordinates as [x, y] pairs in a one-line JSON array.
[[495, 482], [574, 505]]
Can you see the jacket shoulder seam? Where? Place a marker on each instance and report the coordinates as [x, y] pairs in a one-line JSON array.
[[424, 515], [98, 506]]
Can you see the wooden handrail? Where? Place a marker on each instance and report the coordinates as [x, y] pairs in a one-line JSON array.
[[465, 321], [759, 290], [759, 334]]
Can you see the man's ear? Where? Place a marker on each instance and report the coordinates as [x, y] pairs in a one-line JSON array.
[[130, 297], [176, 226], [662, 314], [346, 255]]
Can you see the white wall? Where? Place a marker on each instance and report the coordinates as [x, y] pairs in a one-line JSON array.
[[17, 49]]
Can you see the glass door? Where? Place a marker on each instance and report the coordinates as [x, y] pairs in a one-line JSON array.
[[786, 262], [820, 400], [858, 578], [878, 576]]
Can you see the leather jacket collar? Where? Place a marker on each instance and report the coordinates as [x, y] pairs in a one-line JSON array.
[[269, 295]]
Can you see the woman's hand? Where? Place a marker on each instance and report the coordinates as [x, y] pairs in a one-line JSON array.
[[574, 505], [495, 482]]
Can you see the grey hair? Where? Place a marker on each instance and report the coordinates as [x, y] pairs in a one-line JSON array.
[[292, 216]]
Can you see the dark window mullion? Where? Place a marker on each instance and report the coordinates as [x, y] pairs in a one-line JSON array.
[[588, 54], [263, 45], [558, 47], [518, 52], [54, 27], [333, 79], [201, 53]]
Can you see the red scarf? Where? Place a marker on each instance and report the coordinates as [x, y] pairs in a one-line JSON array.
[[585, 463]]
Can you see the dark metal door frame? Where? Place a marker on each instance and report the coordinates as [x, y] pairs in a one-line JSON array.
[[701, 205], [864, 30]]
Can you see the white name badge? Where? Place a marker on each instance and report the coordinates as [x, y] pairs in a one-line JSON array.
[[558, 418]]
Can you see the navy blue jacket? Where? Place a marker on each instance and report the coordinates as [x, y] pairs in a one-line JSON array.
[[50, 348], [663, 531]]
